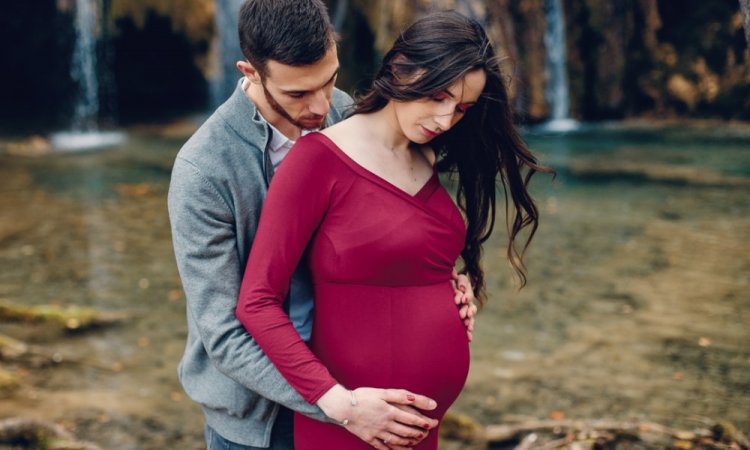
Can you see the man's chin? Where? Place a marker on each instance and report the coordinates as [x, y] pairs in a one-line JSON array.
[[311, 124]]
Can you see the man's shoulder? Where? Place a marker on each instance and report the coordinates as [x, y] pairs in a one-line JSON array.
[[216, 145], [341, 102]]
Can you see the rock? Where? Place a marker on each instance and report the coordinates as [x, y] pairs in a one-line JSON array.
[[461, 427], [32, 146], [8, 382], [39, 435], [69, 318], [683, 90]]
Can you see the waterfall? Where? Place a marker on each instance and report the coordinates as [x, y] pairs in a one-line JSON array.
[[84, 132], [556, 77], [83, 67], [226, 50], [338, 15]]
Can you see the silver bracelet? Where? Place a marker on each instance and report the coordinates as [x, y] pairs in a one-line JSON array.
[[353, 402]]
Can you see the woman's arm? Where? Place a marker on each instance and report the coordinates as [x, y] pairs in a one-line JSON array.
[[296, 203]]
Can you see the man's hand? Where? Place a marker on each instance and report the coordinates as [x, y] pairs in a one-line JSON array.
[[464, 299], [380, 417]]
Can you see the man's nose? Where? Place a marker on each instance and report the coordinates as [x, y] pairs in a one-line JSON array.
[[319, 103]]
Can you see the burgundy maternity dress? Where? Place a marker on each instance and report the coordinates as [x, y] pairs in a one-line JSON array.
[[381, 263]]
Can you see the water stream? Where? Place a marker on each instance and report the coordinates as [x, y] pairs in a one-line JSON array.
[[227, 53], [84, 133], [555, 73], [83, 66]]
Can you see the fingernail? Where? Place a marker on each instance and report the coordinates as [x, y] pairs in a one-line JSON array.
[[410, 397], [462, 288], [426, 426]]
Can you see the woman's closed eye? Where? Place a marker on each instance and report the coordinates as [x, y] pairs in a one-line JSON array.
[[463, 107], [439, 97]]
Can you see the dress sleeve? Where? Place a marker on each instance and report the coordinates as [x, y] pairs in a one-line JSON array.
[[297, 201]]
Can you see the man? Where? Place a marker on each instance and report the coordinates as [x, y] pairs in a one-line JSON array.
[[219, 181]]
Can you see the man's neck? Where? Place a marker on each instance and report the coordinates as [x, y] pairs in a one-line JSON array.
[[255, 93]]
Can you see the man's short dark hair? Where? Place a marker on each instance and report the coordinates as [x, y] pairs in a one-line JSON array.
[[291, 32]]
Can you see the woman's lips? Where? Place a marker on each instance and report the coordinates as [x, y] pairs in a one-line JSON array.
[[427, 132]]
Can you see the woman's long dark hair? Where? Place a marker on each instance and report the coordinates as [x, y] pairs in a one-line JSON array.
[[431, 55]]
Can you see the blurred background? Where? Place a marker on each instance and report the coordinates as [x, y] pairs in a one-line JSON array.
[[154, 59], [638, 301]]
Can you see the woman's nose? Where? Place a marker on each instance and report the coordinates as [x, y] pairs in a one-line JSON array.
[[443, 121]]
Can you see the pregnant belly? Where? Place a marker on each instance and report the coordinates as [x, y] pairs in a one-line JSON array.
[[393, 337]]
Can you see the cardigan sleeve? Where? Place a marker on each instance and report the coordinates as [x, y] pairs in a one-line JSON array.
[[205, 245], [297, 201]]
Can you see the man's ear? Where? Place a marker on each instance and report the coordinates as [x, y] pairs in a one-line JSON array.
[[249, 71]]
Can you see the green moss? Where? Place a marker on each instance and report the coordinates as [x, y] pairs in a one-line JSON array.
[[70, 318]]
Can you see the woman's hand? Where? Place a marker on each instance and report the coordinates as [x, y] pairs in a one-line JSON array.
[[384, 418], [464, 299]]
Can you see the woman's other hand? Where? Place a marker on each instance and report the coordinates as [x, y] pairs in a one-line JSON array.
[[464, 298]]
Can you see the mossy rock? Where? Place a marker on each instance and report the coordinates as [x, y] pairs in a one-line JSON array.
[[69, 318], [460, 427], [9, 382]]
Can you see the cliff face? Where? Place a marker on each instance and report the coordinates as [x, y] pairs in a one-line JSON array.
[[625, 57]]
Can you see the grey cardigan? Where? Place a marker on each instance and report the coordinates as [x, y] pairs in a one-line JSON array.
[[218, 184]]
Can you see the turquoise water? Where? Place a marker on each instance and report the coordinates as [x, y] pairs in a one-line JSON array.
[[637, 304]]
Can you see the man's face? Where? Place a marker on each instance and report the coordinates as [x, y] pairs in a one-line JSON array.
[[302, 94]]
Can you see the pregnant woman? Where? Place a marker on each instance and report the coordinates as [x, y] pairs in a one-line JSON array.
[[362, 201]]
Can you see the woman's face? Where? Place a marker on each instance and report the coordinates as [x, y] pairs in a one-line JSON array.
[[422, 120]]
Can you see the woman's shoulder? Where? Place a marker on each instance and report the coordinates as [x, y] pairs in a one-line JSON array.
[[313, 146], [341, 130], [315, 151]]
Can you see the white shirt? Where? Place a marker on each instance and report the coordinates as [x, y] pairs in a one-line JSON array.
[[280, 144]]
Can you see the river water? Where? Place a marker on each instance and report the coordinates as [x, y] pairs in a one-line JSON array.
[[637, 304]]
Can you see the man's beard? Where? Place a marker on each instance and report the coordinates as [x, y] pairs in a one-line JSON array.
[[282, 112]]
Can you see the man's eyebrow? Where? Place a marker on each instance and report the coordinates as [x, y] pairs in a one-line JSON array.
[[293, 92]]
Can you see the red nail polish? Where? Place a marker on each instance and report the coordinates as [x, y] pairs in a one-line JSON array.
[[426, 426], [410, 397]]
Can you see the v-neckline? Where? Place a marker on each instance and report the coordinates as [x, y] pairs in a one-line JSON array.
[[422, 194]]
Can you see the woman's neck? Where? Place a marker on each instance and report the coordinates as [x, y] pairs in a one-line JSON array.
[[382, 127]]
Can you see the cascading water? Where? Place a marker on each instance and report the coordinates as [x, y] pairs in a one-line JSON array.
[[556, 76], [225, 76], [83, 68], [84, 133]]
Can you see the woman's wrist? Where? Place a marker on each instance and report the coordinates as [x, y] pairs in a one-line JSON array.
[[337, 402]]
